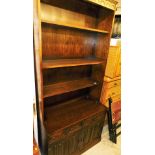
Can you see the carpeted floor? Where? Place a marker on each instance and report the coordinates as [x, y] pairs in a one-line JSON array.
[[105, 147]]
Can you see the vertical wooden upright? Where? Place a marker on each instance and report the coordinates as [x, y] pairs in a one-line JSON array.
[[37, 48], [38, 51]]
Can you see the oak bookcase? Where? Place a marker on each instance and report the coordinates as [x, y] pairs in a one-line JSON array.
[[71, 43]]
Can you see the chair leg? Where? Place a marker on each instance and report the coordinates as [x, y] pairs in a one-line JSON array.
[[111, 127], [112, 134]]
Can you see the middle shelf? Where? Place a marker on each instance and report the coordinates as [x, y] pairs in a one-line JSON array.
[[70, 62], [64, 87]]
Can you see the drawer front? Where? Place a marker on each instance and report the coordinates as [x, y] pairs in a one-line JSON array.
[[114, 91], [76, 127], [73, 128], [113, 84], [98, 117], [95, 118], [65, 132], [56, 135]]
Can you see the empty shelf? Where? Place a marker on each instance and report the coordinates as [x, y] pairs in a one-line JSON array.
[[74, 26], [64, 87], [71, 112], [70, 62]]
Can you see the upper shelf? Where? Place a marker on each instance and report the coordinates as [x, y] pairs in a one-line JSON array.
[[75, 27], [70, 62], [110, 4]]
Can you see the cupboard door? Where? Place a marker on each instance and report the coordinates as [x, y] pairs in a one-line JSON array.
[[97, 130], [58, 148], [80, 140], [112, 84], [72, 144], [76, 141], [87, 135]]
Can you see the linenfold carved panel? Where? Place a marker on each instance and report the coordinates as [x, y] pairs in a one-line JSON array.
[[110, 4]]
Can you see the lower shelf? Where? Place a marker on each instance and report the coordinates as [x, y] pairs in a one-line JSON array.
[[69, 113]]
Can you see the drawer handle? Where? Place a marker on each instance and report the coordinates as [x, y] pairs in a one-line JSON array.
[[115, 84]]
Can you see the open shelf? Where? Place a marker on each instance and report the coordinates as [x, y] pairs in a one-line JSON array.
[[70, 62], [71, 112], [64, 87], [74, 26]]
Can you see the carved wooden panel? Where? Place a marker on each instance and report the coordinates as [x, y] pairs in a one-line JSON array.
[[76, 142]]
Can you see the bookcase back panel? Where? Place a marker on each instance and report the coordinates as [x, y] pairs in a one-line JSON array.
[[60, 99], [59, 42], [102, 46], [95, 92], [65, 74], [105, 19], [97, 74], [79, 13]]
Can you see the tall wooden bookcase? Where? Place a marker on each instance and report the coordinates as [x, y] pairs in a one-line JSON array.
[[71, 43]]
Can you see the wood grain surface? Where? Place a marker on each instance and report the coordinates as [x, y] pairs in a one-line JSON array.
[[70, 62], [64, 87], [71, 112]]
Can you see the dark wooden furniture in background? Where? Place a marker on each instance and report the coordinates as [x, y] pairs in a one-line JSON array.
[[71, 43]]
